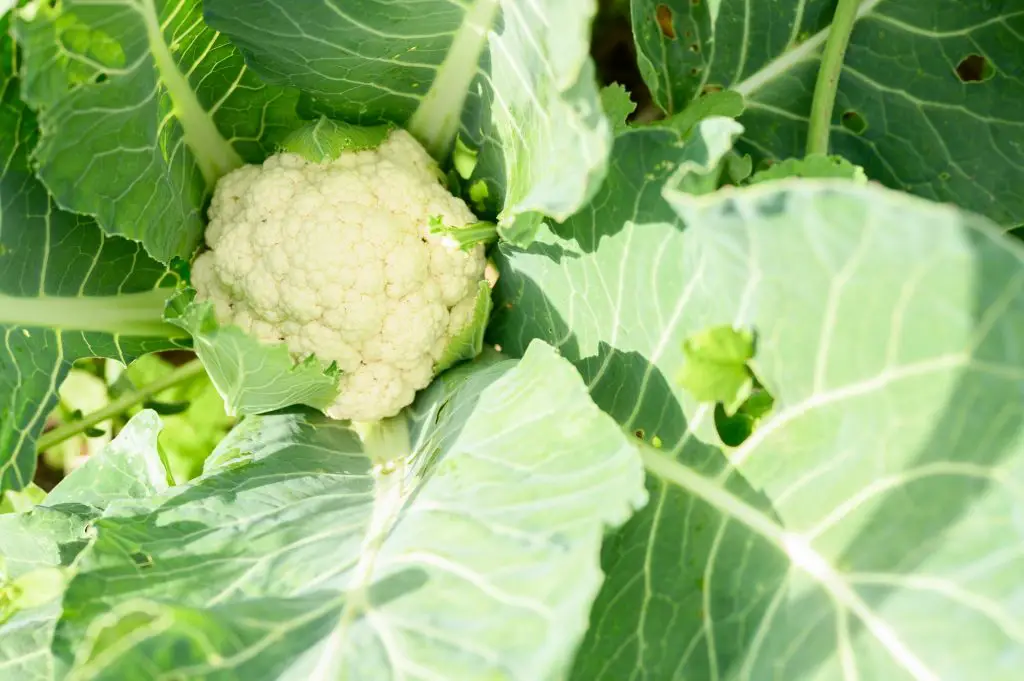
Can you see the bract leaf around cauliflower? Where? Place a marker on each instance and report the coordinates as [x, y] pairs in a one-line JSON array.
[[324, 255]]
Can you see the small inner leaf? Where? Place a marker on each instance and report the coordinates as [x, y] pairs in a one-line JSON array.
[[327, 139], [716, 366]]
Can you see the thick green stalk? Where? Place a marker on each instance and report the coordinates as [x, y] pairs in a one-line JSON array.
[[68, 430], [213, 154], [828, 76]]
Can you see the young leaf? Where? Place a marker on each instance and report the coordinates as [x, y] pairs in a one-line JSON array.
[[514, 80], [923, 97], [253, 377], [716, 367], [889, 332], [815, 165], [142, 108], [727, 103], [477, 555], [66, 290], [326, 139], [617, 105]]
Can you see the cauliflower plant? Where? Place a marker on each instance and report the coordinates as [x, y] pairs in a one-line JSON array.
[[337, 259]]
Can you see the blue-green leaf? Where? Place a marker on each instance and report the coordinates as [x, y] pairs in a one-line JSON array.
[[296, 555], [67, 291], [142, 108], [928, 96]]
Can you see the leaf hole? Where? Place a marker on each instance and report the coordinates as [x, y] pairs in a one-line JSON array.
[[639, 433], [974, 68], [663, 14], [694, 47], [101, 78], [854, 122]]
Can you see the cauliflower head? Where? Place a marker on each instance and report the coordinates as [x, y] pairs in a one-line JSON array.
[[336, 259]]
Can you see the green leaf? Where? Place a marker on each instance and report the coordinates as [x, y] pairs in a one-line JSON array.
[[129, 467], [926, 96], [37, 547], [889, 332], [252, 377], [142, 108], [708, 156], [734, 429], [617, 105], [513, 80], [464, 159], [468, 342], [326, 139], [475, 556], [22, 501], [726, 103], [816, 165], [716, 367], [67, 291], [187, 438]]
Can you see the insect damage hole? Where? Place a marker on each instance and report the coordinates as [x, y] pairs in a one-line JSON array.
[[974, 68], [854, 122], [663, 14]]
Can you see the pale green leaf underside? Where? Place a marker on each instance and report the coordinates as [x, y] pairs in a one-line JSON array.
[[468, 343], [252, 377], [293, 558], [142, 108], [513, 79], [928, 132], [52, 534], [66, 291], [891, 334]]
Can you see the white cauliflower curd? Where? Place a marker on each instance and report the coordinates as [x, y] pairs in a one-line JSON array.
[[336, 259]]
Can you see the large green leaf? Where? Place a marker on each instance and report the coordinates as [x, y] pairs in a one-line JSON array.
[[295, 557], [66, 290], [929, 130], [142, 107], [513, 79], [52, 535], [890, 332]]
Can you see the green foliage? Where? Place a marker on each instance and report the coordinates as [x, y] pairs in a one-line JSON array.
[[67, 291], [385, 549], [194, 425], [716, 424], [326, 139], [142, 107], [717, 366], [816, 165], [536, 120], [469, 342], [38, 548], [726, 103], [926, 96], [617, 105], [252, 377], [890, 360]]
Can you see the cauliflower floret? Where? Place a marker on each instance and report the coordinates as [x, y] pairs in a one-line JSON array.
[[336, 259]]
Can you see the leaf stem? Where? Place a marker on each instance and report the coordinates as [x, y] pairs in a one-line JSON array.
[[828, 76], [68, 430]]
